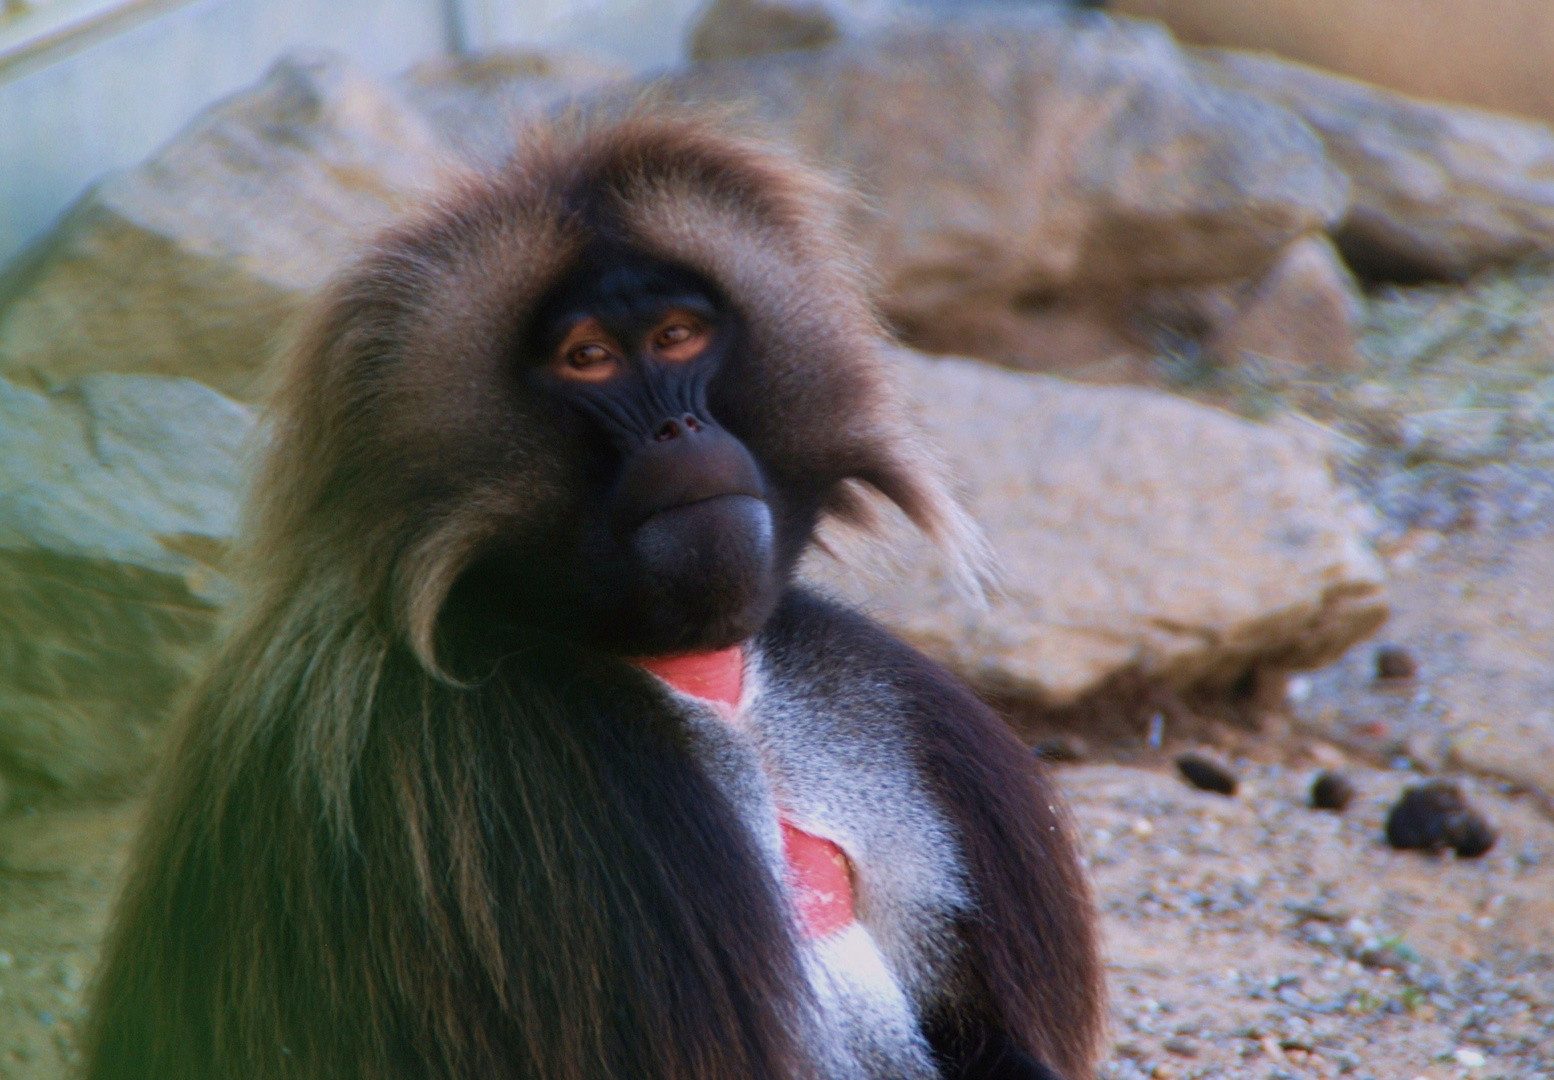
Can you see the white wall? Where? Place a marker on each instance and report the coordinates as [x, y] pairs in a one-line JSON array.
[[68, 114]]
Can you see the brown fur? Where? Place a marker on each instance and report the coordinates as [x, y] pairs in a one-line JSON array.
[[358, 865]]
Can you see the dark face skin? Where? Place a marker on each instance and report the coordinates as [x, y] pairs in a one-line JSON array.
[[679, 542]]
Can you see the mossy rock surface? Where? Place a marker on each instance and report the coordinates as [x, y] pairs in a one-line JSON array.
[[117, 498]]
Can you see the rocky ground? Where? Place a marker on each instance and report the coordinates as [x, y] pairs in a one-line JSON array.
[[1256, 937]]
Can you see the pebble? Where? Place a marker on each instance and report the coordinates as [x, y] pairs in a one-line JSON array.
[[1385, 957], [1469, 1058], [1331, 791], [1206, 775]]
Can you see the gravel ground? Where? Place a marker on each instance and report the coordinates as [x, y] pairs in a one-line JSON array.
[[1255, 937], [1472, 611]]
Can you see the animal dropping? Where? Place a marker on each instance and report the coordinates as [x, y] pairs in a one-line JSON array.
[[1331, 791], [1206, 775], [1395, 663], [1436, 816], [527, 757]]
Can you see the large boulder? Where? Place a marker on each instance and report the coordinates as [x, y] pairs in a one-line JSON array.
[[731, 29], [1303, 315], [1438, 190], [1493, 54], [1012, 160], [117, 496], [191, 262], [1139, 532]]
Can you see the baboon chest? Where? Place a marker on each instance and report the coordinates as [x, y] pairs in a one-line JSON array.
[[851, 838]]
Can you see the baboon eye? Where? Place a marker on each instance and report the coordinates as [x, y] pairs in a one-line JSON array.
[[587, 356], [584, 357], [680, 338]]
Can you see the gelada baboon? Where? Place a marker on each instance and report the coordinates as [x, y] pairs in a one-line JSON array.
[[526, 757]]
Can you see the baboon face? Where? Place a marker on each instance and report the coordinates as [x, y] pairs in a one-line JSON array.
[[676, 538], [605, 396]]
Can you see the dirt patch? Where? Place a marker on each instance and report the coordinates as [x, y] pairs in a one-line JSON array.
[[1244, 934]]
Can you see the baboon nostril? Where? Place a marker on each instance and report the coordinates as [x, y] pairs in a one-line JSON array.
[[673, 429]]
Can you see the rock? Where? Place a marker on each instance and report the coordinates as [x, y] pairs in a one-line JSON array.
[[1302, 315], [1514, 746], [1395, 662], [1494, 55], [68, 842], [1469, 1058], [1438, 190], [1138, 531], [1435, 816], [1457, 436], [1013, 160], [1386, 958], [1331, 791], [189, 263], [1095, 338], [117, 497], [731, 29], [1206, 775], [1066, 749], [477, 105]]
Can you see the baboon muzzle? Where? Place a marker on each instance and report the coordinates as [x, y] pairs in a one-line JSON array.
[[685, 460]]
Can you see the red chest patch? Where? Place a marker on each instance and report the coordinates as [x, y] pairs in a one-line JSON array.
[[820, 876], [718, 677]]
